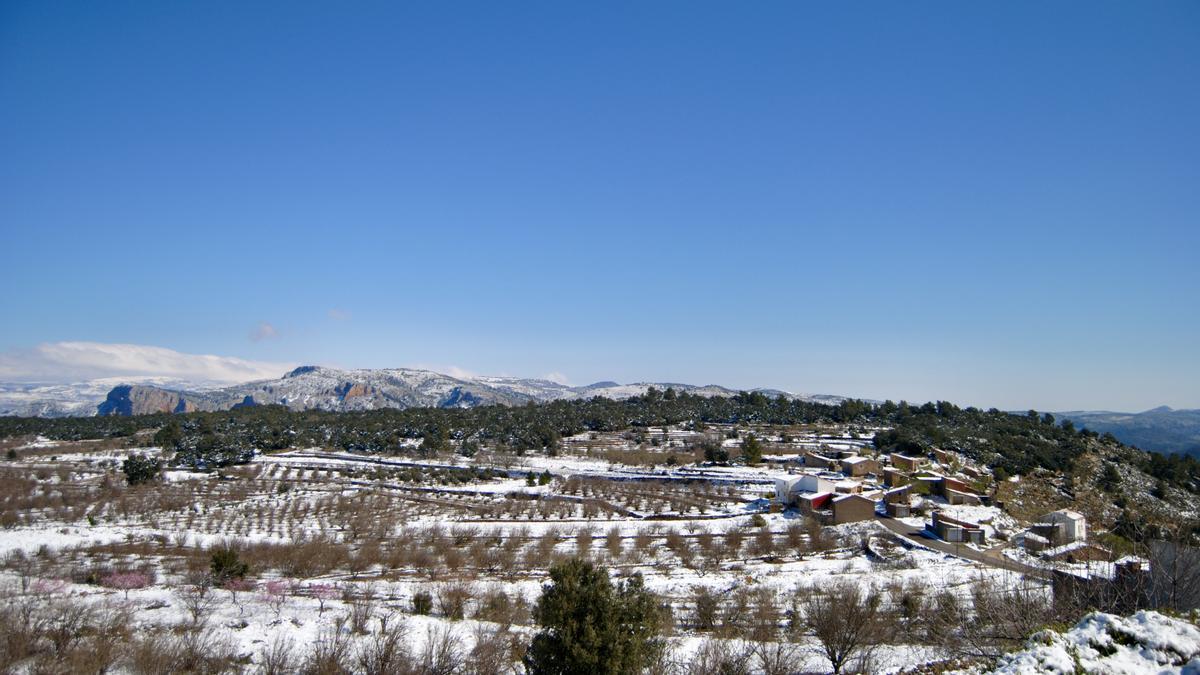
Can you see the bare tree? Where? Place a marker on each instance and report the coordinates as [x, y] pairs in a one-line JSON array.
[[846, 621], [452, 599], [1175, 574], [718, 657], [492, 653], [442, 654], [764, 615], [197, 598], [1003, 617], [386, 651], [277, 658], [776, 658], [330, 653]]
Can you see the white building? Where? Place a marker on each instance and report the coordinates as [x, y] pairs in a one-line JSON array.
[[787, 487], [1071, 525]]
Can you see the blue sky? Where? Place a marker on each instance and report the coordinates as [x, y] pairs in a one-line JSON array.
[[995, 204]]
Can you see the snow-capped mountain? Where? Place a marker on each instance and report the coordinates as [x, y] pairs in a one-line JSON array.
[[35, 399], [314, 387]]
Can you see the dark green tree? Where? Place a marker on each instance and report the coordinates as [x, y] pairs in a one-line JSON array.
[[169, 436], [140, 469], [225, 565], [422, 603], [752, 450], [714, 451], [1110, 478], [590, 626], [433, 443]]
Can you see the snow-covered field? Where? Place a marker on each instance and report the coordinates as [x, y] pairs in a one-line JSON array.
[[334, 539]]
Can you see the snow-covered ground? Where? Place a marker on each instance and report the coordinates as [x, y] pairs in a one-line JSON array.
[[405, 525], [1146, 642]]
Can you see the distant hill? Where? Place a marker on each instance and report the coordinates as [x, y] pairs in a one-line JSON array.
[[25, 399], [319, 388], [1162, 429]]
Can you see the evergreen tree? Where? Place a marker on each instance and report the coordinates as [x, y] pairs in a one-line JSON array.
[[140, 469], [225, 565], [752, 450], [169, 436], [588, 626], [1110, 478]]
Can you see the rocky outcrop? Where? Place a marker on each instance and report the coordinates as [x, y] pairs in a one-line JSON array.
[[460, 398], [129, 399], [354, 390]]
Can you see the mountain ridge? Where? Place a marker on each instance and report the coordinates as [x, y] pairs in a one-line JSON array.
[[1163, 429], [324, 388]]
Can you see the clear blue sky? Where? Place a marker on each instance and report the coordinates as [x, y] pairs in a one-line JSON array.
[[993, 203]]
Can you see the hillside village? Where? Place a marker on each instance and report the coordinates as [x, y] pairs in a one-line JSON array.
[[733, 526]]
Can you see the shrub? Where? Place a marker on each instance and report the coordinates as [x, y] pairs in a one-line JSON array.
[[141, 469], [386, 651], [422, 603], [330, 653], [226, 565], [277, 657], [708, 606]]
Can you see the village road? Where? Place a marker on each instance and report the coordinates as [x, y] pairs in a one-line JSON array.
[[992, 557]]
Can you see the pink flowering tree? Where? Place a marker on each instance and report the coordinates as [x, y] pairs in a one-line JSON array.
[[236, 588], [126, 581], [47, 587], [324, 593], [275, 594]]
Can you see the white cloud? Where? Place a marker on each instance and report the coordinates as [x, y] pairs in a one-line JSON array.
[[452, 371], [338, 314], [557, 377], [63, 362], [460, 373], [263, 331]]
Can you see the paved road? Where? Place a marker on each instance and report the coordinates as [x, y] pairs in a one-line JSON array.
[[992, 557]]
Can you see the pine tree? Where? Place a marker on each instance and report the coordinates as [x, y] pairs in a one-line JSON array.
[[588, 626], [752, 450], [140, 469]]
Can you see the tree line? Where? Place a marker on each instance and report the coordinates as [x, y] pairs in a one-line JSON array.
[[1009, 443]]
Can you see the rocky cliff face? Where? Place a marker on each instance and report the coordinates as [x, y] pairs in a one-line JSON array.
[[145, 400]]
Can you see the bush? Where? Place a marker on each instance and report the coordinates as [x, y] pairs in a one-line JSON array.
[[422, 603], [226, 565], [452, 600], [141, 469]]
